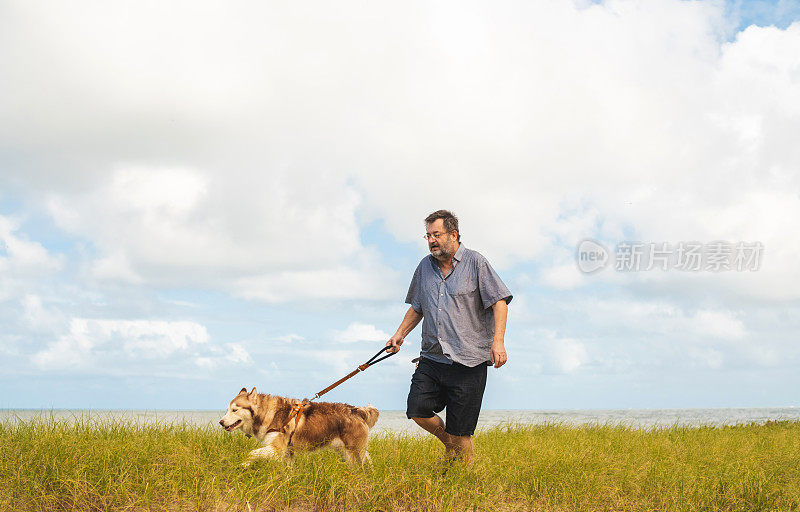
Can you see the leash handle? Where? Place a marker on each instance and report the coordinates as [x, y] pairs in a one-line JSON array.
[[372, 360]]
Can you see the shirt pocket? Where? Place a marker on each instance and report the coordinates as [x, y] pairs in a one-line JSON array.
[[465, 287], [468, 311], [463, 290]]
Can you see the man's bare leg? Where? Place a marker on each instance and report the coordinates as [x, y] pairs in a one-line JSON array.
[[464, 448], [461, 445], [435, 425]]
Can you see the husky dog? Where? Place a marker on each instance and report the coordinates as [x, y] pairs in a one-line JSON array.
[[269, 419]]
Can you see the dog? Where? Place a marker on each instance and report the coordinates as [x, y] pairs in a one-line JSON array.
[[270, 420]]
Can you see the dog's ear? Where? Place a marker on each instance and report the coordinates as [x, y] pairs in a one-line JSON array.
[[243, 390], [253, 394]]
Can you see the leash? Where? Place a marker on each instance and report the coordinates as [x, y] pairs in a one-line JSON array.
[[360, 368], [295, 414]]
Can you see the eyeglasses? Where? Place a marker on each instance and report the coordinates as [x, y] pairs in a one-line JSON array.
[[437, 236]]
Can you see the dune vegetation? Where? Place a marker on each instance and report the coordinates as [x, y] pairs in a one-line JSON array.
[[49, 464]]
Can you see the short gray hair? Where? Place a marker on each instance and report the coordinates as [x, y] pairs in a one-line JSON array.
[[448, 218]]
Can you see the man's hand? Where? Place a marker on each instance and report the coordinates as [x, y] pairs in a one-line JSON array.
[[410, 321], [499, 356], [393, 345]]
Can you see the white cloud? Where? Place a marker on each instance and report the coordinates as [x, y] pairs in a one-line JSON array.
[[281, 237], [620, 336], [660, 317], [230, 353], [290, 338], [245, 149], [567, 120], [653, 122], [357, 331], [706, 357], [20, 255], [563, 277], [162, 216], [364, 280], [40, 318], [546, 351], [236, 353], [115, 266], [204, 362], [93, 341], [569, 355], [22, 261], [720, 324]]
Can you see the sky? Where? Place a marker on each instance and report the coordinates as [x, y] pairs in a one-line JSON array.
[[197, 197]]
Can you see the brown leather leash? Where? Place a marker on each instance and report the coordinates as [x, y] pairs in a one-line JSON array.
[[295, 414]]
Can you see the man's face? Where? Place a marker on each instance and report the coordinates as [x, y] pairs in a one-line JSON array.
[[441, 244]]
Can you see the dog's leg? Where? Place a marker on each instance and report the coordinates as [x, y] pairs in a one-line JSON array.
[[342, 450], [356, 444], [267, 452], [347, 456], [366, 459], [362, 456], [275, 448]]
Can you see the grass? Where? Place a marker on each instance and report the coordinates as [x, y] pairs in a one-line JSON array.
[[113, 465]]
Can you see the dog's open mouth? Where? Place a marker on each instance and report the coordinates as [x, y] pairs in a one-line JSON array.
[[232, 425]]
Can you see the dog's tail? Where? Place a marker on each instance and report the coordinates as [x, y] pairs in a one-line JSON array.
[[371, 415]]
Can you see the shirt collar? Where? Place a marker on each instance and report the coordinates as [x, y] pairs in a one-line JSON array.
[[459, 255]]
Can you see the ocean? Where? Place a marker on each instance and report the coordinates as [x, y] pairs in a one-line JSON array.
[[396, 422]]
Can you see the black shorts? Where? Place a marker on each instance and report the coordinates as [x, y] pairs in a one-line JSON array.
[[435, 386]]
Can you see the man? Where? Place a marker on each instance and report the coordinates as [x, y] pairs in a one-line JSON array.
[[464, 306]]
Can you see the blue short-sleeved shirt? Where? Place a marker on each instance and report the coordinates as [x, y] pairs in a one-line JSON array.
[[458, 320]]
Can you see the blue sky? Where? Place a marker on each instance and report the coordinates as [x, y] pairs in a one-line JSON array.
[[194, 200], [780, 13]]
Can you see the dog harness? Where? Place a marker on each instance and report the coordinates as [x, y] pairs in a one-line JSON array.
[[297, 409]]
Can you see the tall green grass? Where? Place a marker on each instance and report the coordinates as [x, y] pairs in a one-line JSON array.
[[85, 464]]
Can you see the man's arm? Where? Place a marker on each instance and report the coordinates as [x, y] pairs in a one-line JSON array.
[[499, 356], [410, 321]]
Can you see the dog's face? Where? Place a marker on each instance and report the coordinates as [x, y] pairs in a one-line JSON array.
[[240, 412]]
